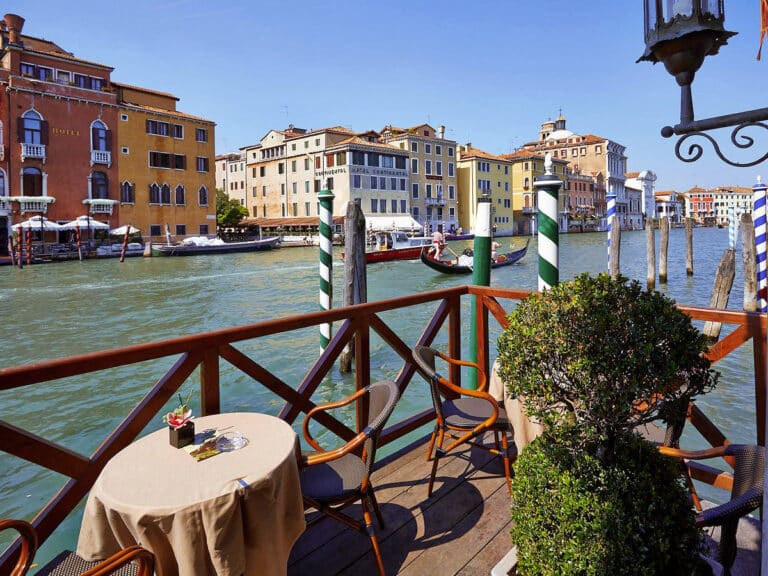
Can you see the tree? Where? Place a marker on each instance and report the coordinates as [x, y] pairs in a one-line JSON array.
[[229, 212]]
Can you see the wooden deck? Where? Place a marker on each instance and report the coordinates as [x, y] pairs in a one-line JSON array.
[[462, 529]]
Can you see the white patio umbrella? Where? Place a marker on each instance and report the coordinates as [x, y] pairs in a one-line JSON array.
[[38, 223], [85, 222], [121, 230]]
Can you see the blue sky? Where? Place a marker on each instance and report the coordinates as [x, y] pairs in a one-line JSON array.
[[490, 71]]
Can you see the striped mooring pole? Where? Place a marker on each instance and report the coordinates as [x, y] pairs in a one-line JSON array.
[[758, 215], [733, 231], [481, 274], [547, 187], [326, 260], [610, 200]]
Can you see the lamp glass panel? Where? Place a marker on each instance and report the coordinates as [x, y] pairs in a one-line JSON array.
[[673, 8]]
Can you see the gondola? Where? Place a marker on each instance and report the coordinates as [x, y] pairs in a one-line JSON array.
[[453, 266]]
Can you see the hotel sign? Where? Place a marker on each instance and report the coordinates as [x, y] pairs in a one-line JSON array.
[[65, 132]]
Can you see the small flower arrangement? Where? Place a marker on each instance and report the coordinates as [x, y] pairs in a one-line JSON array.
[[181, 414]]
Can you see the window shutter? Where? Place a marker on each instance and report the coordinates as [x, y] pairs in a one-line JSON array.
[[146, 125], [108, 140], [94, 139], [20, 129], [44, 132]]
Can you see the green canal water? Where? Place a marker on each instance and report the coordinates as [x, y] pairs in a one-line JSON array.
[[70, 308]]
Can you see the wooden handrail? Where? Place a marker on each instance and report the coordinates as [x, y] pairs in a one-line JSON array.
[[209, 351]]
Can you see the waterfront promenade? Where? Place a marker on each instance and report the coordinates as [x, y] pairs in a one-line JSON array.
[[74, 308]]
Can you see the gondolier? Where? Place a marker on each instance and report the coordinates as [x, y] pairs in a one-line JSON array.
[[464, 263], [438, 242]]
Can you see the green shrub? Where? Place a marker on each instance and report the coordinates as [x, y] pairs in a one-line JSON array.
[[587, 351], [574, 515]]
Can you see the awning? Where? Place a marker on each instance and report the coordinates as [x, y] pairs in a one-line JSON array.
[[391, 223]]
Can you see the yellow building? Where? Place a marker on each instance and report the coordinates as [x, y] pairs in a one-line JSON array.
[[481, 173], [526, 167], [165, 166]]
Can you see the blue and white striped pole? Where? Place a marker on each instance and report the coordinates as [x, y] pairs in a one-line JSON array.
[[732, 229], [547, 187], [326, 260], [609, 218], [758, 215]]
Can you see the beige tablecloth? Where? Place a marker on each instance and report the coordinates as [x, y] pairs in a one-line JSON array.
[[525, 429], [236, 513]]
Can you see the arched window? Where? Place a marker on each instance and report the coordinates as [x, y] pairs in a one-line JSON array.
[[165, 194], [99, 136], [31, 128], [154, 194], [99, 186], [202, 196], [180, 196], [127, 193], [32, 182]]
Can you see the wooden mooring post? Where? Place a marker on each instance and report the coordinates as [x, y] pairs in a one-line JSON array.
[[726, 272], [355, 289], [689, 246], [663, 249], [650, 254], [749, 260], [614, 258]]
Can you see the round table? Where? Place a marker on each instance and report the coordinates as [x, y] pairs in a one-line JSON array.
[[235, 513]]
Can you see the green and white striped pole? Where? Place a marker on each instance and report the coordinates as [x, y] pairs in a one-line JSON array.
[[547, 187], [326, 260], [481, 274]]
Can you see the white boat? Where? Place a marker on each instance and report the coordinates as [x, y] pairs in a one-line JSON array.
[[116, 249]]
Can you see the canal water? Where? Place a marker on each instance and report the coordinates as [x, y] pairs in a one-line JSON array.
[[70, 308]]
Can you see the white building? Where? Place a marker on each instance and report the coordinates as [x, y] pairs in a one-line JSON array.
[[231, 176]]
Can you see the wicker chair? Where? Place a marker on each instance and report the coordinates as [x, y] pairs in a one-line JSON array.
[[465, 418], [130, 561], [746, 494], [333, 479]]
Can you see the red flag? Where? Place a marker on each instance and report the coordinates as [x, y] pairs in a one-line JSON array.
[[763, 24]]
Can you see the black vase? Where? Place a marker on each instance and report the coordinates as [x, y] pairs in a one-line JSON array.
[[183, 436]]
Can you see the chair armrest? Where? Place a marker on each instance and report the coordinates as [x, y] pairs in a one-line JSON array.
[[28, 543], [693, 454], [329, 455], [322, 408], [732, 510], [456, 362], [144, 559]]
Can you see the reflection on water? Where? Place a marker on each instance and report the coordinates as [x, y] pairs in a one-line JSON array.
[[69, 308]]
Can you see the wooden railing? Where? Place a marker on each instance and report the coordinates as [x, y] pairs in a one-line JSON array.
[[355, 324]]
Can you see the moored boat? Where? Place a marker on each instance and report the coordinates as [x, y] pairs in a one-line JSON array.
[[389, 246], [463, 264], [215, 246]]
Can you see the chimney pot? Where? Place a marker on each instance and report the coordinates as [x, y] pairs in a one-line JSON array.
[[15, 24]]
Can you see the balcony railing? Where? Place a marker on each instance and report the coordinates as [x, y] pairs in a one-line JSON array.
[[100, 205], [32, 151], [170, 364], [101, 157], [431, 201], [5, 204]]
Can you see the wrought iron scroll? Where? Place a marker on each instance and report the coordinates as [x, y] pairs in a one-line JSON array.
[[742, 141]]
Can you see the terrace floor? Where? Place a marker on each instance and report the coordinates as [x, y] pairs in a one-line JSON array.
[[463, 529]]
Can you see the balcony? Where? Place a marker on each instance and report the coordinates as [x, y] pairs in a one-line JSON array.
[[430, 201], [33, 203], [101, 157], [32, 151], [529, 210], [100, 205], [5, 204]]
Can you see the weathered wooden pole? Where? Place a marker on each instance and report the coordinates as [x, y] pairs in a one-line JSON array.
[[726, 272], [614, 243], [650, 254], [355, 289], [326, 260], [749, 262], [663, 250], [689, 246]]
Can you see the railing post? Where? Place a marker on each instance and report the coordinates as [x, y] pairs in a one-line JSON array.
[[210, 399]]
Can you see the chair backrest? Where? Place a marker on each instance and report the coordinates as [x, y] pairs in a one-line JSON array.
[[424, 356], [748, 471], [382, 398]]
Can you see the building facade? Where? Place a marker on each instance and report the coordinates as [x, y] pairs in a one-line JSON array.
[[67, 149], [667, 205], [728, 200], [432, 172], [700, 205], [482, 174], [230, 176]]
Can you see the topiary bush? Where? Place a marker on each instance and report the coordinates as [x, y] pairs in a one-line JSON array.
[[604, 355], [572, 514]]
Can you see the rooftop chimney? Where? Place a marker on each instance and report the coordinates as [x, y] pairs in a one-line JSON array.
[[441, 131], [15, 24]]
